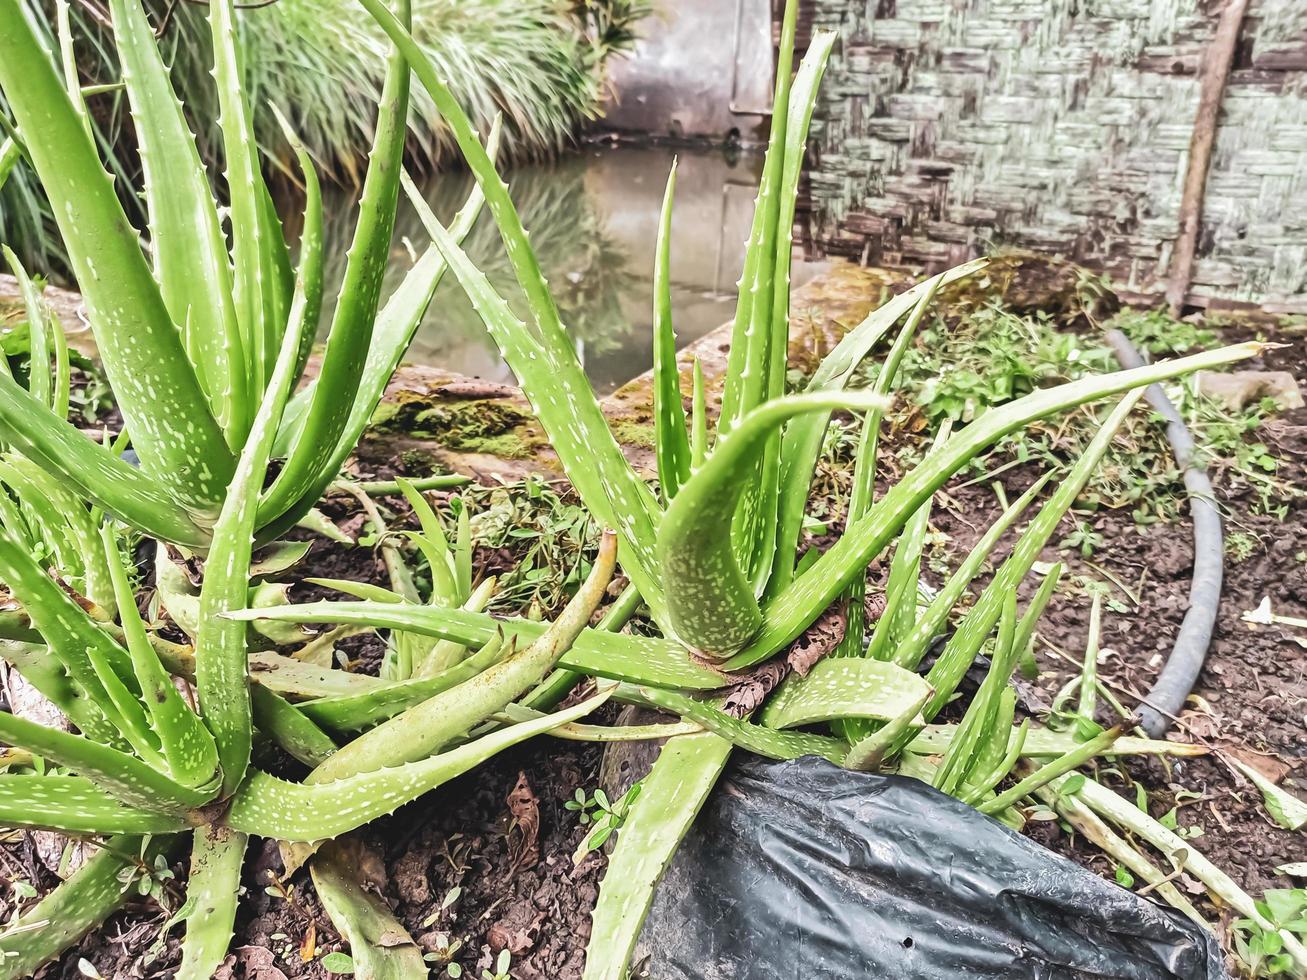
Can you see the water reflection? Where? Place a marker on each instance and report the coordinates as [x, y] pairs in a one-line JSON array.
[[593, 219]]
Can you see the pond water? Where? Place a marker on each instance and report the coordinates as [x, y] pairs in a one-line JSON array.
[[593, 219]]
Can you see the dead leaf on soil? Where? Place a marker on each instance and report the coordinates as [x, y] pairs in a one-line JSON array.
[[525, 808]]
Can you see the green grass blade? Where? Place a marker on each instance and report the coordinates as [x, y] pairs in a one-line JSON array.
[[74, 805], [191, 263], [307, 812], [795, 608], [710, 598], [75, 907], [214, 885], [180, 443], [360, 293], [671, 440]]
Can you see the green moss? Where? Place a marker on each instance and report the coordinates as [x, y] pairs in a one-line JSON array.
[[487, 425], [632, 433]]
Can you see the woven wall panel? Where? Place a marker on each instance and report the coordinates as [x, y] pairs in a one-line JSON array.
[[950, 126]]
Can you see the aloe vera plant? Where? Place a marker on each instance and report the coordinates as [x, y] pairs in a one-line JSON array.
[[715, 554]]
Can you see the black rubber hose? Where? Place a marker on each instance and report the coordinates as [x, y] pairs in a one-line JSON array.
[[1180, 672]]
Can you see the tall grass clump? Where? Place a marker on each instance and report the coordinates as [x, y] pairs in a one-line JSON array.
[[539, 63]]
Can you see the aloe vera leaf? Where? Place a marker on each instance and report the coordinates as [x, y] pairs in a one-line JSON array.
[[962, 647], [191, 263], [989, 778], [1088, 704], [565, 405], [355, 712], [869, 751], [75, 907], [307, 812], [1030, 619], [698, 419], [995, 744], [74, 805], [255, 280], [185, 742], [672, 795], [747, 375], [770, 742], [93, 660], [38, 316], [1139, 824], [1285, 809], [48, 676], [935, 616], [447, 654], [516, 712], [1046, 743], [710, 600], [638, 659], [221, 659], [313, 453], [545, 365], [122, 776], [379, 945], [562, 680], [180, 443], [10, 154], [671, 440], [976, 723], [795, 608], [290, 727], [392, 333], [214, 885], [424, 728], [843, 688], [97, 474], [1086, 822], [1045, 774], [761, 501], [435, 548]]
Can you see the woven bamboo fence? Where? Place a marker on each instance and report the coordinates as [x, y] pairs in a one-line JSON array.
[[949, 127]]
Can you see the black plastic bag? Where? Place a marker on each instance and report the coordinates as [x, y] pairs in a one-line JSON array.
[[805, 871]]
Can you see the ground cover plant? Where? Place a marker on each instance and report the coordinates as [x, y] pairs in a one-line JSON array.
[[203, 369]]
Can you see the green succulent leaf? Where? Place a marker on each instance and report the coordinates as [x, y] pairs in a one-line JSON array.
[[74, 805]]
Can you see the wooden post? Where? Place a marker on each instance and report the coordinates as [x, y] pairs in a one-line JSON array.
[[1215, 71]]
